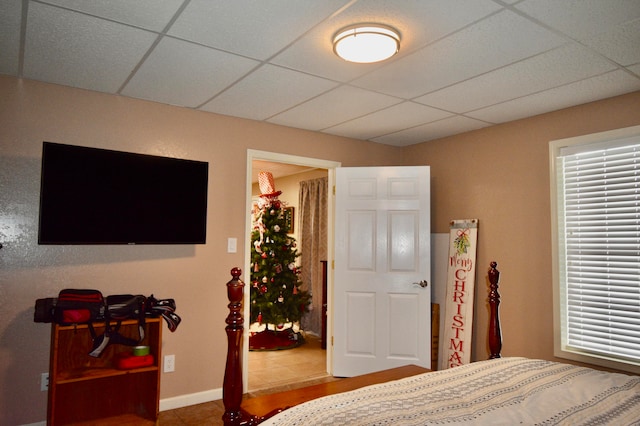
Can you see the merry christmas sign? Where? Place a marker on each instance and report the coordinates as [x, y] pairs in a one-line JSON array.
[[461, 273]]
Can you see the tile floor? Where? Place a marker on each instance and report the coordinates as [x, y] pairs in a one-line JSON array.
[[269, 371]]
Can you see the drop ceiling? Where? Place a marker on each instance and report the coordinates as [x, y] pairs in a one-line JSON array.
[[462, 65]]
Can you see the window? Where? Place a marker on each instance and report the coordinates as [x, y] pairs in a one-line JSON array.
[[595, 187]]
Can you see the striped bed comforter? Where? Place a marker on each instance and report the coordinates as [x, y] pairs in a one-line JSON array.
[[509, 391]]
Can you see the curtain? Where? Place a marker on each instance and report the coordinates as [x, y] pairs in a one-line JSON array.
[[312, 203]]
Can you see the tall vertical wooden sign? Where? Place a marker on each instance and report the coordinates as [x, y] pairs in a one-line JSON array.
[[461, 279]]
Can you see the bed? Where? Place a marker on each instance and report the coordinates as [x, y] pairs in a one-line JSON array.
[[511, 390]]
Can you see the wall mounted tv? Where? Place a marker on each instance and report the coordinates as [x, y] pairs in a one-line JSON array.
[[99, 196]]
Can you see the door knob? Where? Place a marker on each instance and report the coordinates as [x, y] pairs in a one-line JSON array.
[[422, 284]]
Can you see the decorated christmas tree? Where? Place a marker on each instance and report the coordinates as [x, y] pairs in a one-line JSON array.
[[276, 297]]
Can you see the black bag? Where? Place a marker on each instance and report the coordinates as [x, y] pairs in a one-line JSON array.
[[86, 306], [126, 306], [165, 308], [44, 310], [120, 307], [79, 307]]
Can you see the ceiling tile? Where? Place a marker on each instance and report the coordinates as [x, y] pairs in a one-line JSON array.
[[388, 120], [338, 105], [10, 17], [266, 26], [79, 50], [635, 69], [563, 65], [494, 42], [266, 92], [148, 14], [611, 27], [581, 18], [186, 74], [621, 44], [589, 90], [439, 129]]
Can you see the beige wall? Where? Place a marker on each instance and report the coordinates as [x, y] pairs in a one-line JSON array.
[[499, 175], [195, 276]]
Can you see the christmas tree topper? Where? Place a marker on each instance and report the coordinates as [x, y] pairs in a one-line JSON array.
[[267, 187]]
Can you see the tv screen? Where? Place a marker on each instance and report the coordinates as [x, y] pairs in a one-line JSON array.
[[99, 196]]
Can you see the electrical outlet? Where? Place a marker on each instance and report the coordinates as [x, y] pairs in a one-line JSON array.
[[169, 363], [44, 382]]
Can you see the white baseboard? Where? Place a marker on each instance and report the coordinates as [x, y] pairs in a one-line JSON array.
[[190, 399]]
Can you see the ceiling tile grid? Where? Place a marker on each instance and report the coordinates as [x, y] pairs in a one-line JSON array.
[[185, 74], [577, 93], [565, 64], [461, 66], [494, 42], [74, 49], [146, 14], [253, 28], [334, 107], [437, 129], [268, 91], [389, 120]]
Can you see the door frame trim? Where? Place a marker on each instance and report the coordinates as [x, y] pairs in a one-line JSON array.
[[301, 161]]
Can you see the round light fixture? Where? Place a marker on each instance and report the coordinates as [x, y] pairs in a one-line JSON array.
[[366, 43]]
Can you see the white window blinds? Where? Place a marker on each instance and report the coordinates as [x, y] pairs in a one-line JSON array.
[[599, 228]]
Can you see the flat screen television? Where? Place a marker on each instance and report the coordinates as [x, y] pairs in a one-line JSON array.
[[99, 196]]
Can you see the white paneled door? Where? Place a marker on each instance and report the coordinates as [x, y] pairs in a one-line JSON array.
[[382, 265]]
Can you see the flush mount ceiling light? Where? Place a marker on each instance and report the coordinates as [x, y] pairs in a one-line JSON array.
[[366, 43]]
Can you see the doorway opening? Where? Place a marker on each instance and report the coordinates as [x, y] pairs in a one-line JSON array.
[[281, 368]]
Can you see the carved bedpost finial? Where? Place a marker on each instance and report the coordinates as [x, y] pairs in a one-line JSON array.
[[495, 333], [232, 386], [236, 272]]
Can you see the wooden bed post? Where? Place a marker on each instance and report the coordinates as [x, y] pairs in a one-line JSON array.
[[232, 391], [495, 334], [232, 386]]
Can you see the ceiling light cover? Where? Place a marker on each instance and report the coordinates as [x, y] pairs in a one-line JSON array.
[[366, 43]]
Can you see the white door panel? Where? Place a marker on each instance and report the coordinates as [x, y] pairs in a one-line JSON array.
[[381, 317], [361, 318]]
